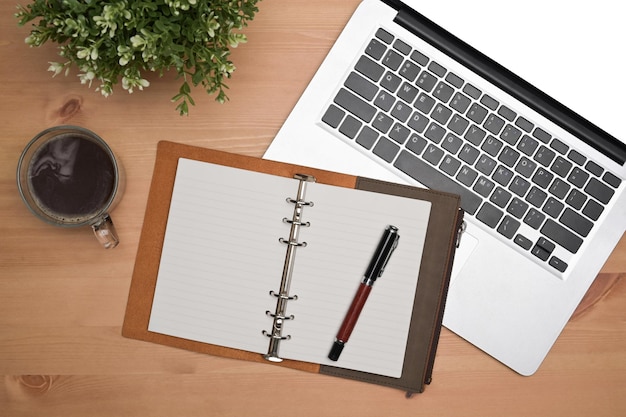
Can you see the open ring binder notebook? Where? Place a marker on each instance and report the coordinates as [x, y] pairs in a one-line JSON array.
[[259, 260]]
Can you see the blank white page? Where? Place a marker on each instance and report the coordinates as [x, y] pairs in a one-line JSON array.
[[346, 226], [221, 257]]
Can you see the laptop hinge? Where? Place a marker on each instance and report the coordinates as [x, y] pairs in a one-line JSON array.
[[509, 82]]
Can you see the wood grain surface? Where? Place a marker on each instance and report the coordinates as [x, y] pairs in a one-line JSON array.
[[62, 297]]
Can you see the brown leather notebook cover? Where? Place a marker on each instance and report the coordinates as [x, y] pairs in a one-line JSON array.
[[434, 275]]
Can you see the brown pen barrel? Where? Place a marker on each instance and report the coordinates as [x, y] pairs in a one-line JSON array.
[[353, 312]]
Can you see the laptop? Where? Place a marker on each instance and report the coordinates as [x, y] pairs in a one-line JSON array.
[[517, 108]]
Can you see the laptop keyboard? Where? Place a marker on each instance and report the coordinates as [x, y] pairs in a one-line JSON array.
[[513, 176]]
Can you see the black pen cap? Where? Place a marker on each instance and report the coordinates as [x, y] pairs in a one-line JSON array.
[[335, 351]]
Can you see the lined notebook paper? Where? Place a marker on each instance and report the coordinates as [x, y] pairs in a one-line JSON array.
[[221, 257]]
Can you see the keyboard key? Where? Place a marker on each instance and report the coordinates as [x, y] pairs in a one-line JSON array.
[[369, 68], [386, 149], [494, 124], [409, 70], [544, 156], [509, 156], [475, 135], [508, 227], [536, 197], [441, 114], [561, 166], [402, 47], [384, 100], [542, 135], [443, 92], [392, 60], [435, 132], [450, 165], [523, 242], [612, 180], [367, 137], [384, 36], [524, 124], [500, 197], [577, 157], [525, 167], [593, 210], [519, 186], [472, 91], [416, 144], [418, 122], [489, 102], [503, 175], [486, 165], [467, 176], [424, 103], [510, 134], [375, 49], [477, 113], [333, 116], [534, 218], [517, 208], [492, 146], [483, 186], [527, 145], [542, 177], [430, 177], [390, 81], [576, 199], [399, 133], [355, 105], [594, 168], [543, 249], [460, 102], [489, 215], [437, 69], [361, 86], [350, 127], [452, 143], [557, 264], [458, 124], [507, 113], [420, 58], [559, 188], [426, 81], [561, 235], [469, 154], [599, 191], [576, 222], [407, 92], [401, 111], [553, 207], [432, 154], [578, 177], [559, 146], [454, 79], [382, 122]]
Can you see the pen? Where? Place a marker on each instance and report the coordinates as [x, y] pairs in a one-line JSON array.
[[386, 246]]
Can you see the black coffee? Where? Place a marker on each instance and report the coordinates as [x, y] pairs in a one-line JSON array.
[[71, 178]]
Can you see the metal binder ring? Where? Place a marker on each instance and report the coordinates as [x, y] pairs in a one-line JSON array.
[[268, 334], [285, 297], [278, 316], [303, 224], [300, 202], [292, 243]]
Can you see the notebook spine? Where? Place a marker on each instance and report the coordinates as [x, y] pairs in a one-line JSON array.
[[279, 316]]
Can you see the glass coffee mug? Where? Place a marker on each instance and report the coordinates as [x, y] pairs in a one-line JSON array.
[[69, 177]]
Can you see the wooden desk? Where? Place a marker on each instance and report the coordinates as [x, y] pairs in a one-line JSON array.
[[62, 297]]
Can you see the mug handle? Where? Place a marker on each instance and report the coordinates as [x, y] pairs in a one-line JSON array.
[[105, 232]]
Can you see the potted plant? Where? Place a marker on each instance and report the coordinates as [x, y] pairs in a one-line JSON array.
[[121, 40]]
